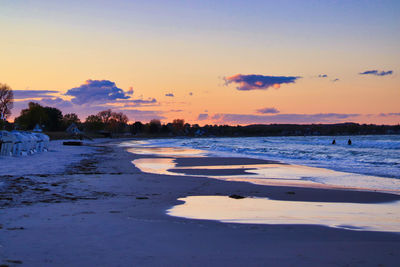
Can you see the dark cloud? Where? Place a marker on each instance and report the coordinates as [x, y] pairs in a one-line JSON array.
[[267, 110], [202, 116], [282, 118], [23, 94], [96, 91], [190, 93], [335, 80], [389, 114], [376, 72], [56, 102], [322, 76], [258, 82], [137, 102], [175, 110], [170, 94], [19, 105]]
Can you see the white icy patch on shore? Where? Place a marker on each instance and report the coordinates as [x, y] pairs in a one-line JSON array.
[[56, 160]]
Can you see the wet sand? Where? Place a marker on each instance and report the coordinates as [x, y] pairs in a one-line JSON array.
[[117, 217]]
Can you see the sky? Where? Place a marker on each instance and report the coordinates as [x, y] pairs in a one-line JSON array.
[[208, 62]]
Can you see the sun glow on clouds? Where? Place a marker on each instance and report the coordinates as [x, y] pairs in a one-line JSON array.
[[90, 98], [96, 91], [29, 94], [95, 95], [258, 82]]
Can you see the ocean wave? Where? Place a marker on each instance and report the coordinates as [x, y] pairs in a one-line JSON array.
[[377, 155]]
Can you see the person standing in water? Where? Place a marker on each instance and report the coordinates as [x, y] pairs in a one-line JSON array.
[[334, 142], [349, 142]]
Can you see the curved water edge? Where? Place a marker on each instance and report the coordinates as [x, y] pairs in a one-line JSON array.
[[351, 216], [251, 210], [265, 174], [376, 155], [272, 174]]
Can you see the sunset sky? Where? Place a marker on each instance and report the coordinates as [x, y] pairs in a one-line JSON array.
[[208, 62]]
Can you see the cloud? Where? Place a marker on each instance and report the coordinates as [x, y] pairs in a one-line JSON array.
[[267, 110], [135, 102], [282, 118], [143, 115], [376, 72], [202, 116], [322, 76], [130, 91], [143, 101], [258, 82], [170, 94], [191, 93], [335, 80], [217, 116], [56, 102], [24, 94], [83, 111], [389, 114], [96, 91], [64, 105]]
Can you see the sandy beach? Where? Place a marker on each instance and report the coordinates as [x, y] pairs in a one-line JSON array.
[[90, 206]]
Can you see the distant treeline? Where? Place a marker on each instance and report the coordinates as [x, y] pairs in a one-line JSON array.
[[108, 123], [178, 128]]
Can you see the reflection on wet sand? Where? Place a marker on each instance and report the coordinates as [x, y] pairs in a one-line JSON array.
[[190, 162], [354, 216], [269, 174], [166, 151], [155, 165]]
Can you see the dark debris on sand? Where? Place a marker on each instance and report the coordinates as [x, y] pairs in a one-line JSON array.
[[52, 188], [234, 196]]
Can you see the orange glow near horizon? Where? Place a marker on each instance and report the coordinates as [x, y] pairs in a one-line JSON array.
[[192, 55]]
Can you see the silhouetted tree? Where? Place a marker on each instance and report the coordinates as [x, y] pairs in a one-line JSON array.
[[34, 114], [154, 126], [70, 118], [94, 123], [117, 122], [105, 115], [6, 101], [54, 119], [48, 117], [178, 124], [137, 127]]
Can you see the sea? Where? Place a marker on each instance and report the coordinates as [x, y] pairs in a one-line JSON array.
[[374, 155], [371, 163]]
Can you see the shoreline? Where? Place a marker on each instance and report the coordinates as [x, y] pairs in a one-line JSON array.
[[363, 157], [123, 221]]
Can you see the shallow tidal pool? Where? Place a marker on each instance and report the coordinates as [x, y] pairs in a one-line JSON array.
[[353, 216]]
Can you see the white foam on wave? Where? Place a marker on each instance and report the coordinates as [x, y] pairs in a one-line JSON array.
[[377, 155]]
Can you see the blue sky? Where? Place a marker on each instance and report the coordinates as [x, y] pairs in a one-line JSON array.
[[165, 48]]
